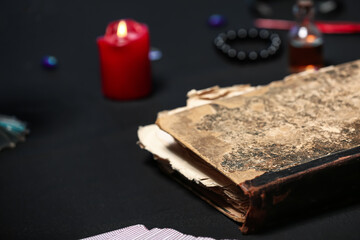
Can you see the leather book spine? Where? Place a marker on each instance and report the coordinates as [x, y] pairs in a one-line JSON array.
[[307, 189]]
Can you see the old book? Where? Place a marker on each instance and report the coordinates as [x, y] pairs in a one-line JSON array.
[[257, 154]]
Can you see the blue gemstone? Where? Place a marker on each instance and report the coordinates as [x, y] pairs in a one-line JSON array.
[[49, 62], [155, 54], [216, 20]]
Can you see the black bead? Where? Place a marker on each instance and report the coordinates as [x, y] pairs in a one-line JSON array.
[[272, 50], [264, 54], [225, 48], [253, 55], [219, 42], [242, 33], [274, 35], [276, 40], [253, 33], [241, 55], [275, 45], [232, 53], [223, 36], [231, 34], [264, 34]]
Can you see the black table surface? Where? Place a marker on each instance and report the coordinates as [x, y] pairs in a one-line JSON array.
[[80, 172]]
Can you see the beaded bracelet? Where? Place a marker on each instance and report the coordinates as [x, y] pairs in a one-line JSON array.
[[221, 43]]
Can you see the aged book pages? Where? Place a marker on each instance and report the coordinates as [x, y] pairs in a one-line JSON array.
[[164, 146], [172, 157], [203, 180], [284, 124]]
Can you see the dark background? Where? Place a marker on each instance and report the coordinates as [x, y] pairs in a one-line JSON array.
[[80, 172]]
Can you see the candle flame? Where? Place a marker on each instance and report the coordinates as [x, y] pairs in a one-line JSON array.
[[122, 29]]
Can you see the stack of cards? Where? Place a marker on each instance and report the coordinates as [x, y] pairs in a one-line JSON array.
[[140, 232]]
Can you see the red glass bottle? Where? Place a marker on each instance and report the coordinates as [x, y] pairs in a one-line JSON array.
[[305, 39]]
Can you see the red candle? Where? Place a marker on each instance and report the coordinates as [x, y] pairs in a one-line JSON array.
[[124, 60]]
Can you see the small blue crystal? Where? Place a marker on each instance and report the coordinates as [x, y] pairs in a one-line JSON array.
[[49, 62], [216, 20], [155, 54]]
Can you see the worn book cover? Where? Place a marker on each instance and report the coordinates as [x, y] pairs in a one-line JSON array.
[[268, 149]]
